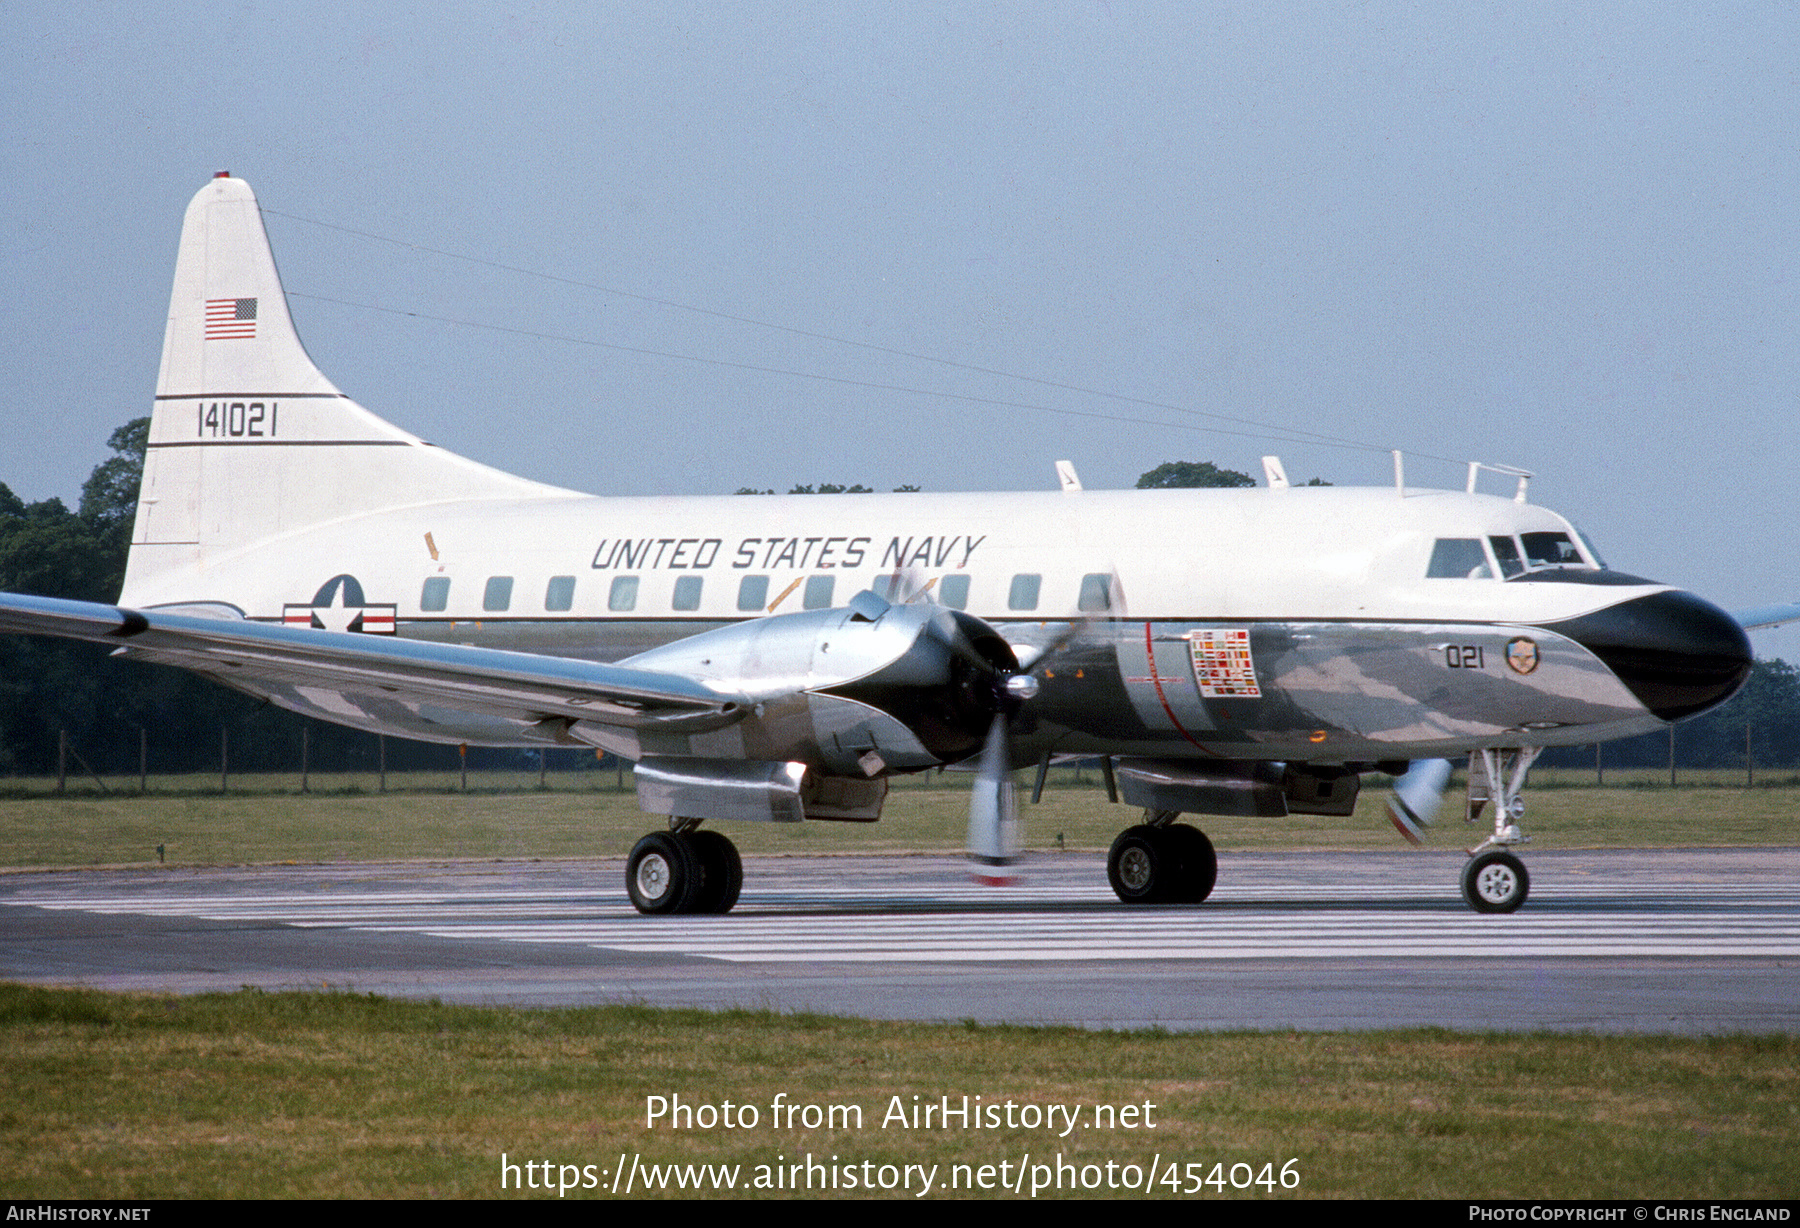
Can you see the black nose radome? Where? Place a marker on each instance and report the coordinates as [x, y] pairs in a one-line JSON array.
[[1678, 654]]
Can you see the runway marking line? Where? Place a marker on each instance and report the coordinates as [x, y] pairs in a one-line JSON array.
[[811, 925]]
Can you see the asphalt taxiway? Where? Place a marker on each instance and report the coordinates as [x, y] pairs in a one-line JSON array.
[[1689, 940]]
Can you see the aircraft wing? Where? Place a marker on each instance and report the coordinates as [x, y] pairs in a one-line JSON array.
[[511, 685], [1767, 616]]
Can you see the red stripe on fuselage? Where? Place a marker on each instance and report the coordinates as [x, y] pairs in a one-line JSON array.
[[1156, 680]]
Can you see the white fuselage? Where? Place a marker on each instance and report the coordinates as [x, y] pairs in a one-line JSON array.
[[1354, 652]]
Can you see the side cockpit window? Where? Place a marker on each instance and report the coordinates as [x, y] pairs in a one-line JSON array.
[[1458, 558]]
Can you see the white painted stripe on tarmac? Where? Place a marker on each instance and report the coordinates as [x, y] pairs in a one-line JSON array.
[[809, 925]]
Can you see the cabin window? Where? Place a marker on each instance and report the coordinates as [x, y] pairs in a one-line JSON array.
[[1552, 550], [1458, 558], [953, 591], [1508, 553], [818, 592], [1023, 595], [560, 595], [435, 595], [1096, 592], [753, 592], [687, 593], [899, 588], [498, 593], [623, 595]]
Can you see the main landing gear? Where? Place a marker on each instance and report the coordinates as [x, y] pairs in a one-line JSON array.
[[1161, 861], [684, 870], [1493, 879]]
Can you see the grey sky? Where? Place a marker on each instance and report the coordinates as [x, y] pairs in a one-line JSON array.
[[1561, 238]]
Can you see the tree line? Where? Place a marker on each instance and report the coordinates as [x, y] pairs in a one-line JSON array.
[[49, 687], [102, 702]]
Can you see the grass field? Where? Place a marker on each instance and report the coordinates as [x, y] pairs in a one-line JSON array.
[[343, 818], [296, 1095]]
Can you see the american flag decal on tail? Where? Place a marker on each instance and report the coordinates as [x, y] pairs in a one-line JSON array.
[[230, 319]]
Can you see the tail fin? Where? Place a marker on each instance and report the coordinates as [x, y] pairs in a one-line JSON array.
[[248, 440]]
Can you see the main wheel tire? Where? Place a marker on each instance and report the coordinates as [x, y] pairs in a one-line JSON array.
[[1199, 863], [662, 875], [721, 872], [1496, 881], [1142, 865]]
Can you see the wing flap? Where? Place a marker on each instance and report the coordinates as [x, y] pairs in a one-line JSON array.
[[514, 685]]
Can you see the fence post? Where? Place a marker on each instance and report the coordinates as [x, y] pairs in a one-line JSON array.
[[224, 760], [143, 761], [381, 759], [62, 759], [305, 733]]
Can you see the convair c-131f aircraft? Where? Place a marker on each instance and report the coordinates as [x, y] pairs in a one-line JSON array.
[[1235, 652]]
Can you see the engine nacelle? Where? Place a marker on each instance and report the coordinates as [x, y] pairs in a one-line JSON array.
[[753, 792], [1247, 789], [860, 691]]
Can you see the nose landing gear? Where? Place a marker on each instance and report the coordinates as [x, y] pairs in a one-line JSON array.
[[1494, 880]]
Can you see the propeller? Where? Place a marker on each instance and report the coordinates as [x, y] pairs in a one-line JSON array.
[[994, 810], [1417, 794], [906, 585], [993, 845]]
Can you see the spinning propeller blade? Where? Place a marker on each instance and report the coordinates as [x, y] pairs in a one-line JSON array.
[[1413, 806], [994, 813], [993, 807]]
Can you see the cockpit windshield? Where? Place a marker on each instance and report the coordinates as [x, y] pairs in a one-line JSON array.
[[1507, 551], [1551, 550], [1587, 548], [1469, 558]]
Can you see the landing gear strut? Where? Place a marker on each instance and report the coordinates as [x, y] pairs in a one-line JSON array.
[[684, 870], [1160, 861], [1494, 880]]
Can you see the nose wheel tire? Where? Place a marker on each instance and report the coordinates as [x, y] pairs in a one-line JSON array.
[[1495, 881]]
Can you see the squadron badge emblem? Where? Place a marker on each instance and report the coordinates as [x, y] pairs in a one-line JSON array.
[[1522, 655]]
